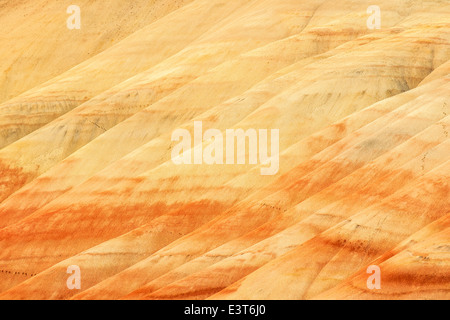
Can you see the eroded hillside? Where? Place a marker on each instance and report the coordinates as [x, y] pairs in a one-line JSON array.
[[88, 176]]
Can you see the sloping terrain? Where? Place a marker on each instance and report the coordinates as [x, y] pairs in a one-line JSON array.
[[87, 175]]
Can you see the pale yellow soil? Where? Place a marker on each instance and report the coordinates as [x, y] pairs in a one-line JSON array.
[[87, 179]]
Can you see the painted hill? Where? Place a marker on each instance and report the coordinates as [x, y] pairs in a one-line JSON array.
[[86, 139]]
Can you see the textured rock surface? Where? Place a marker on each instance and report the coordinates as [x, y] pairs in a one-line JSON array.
[[86, 118]]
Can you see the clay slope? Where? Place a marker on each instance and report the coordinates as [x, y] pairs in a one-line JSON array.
[[38, 46], [88, 179]]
